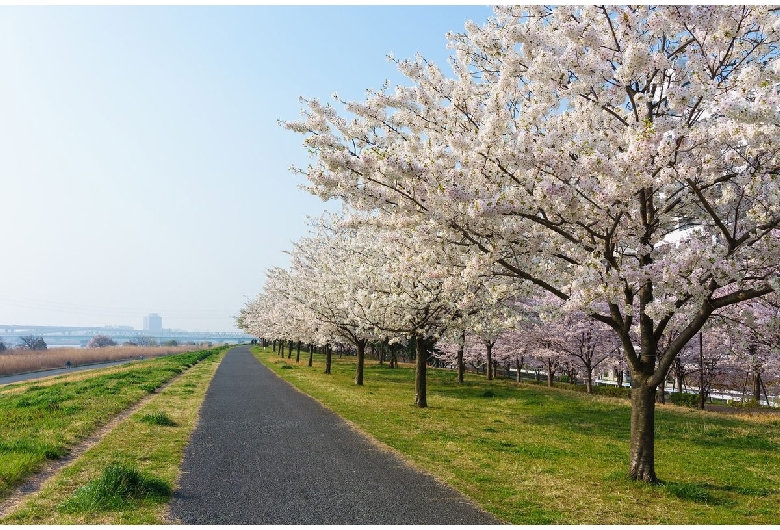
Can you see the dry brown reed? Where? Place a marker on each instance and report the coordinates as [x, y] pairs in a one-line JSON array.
[[23, 361]]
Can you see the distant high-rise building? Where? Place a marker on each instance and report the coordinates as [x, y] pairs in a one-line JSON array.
[[153, 323]]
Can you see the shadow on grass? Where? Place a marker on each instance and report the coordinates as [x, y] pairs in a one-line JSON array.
[[119, 487], [158, 418], [710, 494], [696, 492]]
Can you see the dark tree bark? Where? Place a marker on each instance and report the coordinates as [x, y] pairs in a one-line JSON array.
[[678, 374], [298, 353], [490, 370], [550, 372], [311, 353], [460, 363], [328, 358], [757, 386], [393, 358], [756, 373], [289, 349], [519, 365], [642, 452], [361, 357], [420, 376], [572, 373], [660, 394]]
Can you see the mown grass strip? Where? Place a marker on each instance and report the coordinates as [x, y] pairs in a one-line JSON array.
[[533, 455], [42, 420], [127, 477]]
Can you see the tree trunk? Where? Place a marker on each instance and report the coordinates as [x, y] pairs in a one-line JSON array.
[[289, 349], [642, 452], [298, 352], [660, 393], [311, 353], [328, 358], [420, 381], [702, 392], [678, 374], [589, 379], [550, 374], [460, 363], [757, 386], [273, 346], [519, 367], [361, 357], [766, 396], [489, 348]]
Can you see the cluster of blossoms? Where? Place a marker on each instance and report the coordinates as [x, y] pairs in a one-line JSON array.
[[622, 160]]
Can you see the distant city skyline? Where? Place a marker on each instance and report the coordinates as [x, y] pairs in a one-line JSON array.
[[142, 167], [153, 323]]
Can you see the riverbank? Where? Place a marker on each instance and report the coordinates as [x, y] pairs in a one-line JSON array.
[[16, 362]]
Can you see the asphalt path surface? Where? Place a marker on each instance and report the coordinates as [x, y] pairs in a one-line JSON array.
[[264, 453]]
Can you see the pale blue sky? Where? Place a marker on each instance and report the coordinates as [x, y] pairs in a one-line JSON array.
[[141, 165]]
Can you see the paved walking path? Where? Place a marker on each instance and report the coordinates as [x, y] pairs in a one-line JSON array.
[[263, 453]]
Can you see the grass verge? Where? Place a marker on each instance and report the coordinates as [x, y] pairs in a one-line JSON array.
[[533, 455], [128, 477], [42, 420]]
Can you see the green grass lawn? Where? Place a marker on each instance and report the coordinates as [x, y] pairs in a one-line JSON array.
[[127, 477], [533, 455], [42, 420]]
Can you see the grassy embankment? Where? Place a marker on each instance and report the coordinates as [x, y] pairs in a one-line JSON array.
[[43, 420], [531, 455], [23, 361], [128, 477]]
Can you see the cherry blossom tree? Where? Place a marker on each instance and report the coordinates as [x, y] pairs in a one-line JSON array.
[[357, 282], [753, 333], [586, 342], [275, 314], [704, 361], [616, 157], [330, 283], [416, 298]]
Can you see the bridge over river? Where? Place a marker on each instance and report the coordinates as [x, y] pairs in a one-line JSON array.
[[79, 336]]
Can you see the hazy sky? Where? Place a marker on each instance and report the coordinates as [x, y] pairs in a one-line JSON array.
[[141, 165]]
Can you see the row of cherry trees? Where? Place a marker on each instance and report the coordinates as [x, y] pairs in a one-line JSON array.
[[622, 161], [741, 351]]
